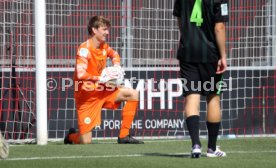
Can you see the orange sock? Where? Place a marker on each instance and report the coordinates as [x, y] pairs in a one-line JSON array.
[[128, 114], [75, 138]]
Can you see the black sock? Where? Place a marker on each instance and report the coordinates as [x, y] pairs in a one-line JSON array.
[[213, 130], [193, 127]]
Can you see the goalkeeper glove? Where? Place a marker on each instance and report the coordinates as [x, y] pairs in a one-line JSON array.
[[121, 74], [108, 74], [121, 70]]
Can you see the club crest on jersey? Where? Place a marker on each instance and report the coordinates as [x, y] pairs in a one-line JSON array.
[[87, 120], [84, 52], [104, 52]]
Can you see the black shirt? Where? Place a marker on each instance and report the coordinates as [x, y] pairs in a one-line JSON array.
[[198, 19]]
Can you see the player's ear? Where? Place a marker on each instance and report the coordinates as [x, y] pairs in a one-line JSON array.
[[94, 30]]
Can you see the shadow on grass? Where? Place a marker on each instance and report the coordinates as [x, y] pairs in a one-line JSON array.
[[180, 155]]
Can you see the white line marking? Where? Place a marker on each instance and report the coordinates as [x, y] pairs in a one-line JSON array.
[[75, 157], [252, 152], [118, 156]]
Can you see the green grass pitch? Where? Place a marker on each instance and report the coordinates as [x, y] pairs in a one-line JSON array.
[[241, 152]]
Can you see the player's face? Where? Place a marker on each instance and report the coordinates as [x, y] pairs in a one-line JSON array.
[[101, 33]]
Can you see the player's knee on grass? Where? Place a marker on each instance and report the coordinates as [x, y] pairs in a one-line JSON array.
[[85, 139]]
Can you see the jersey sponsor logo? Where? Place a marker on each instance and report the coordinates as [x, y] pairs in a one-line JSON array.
[[84, 52], [87, 120], [224, 9]]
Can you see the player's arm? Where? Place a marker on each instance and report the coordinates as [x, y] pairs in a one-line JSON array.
[[177, 12], [179, 23], [113, 55], [221, 39], [221, 16], [82, 65]]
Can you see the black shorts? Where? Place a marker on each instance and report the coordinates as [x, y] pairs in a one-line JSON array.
[[200, 78]]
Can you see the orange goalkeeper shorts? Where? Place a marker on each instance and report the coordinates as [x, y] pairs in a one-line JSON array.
[[89, 106]]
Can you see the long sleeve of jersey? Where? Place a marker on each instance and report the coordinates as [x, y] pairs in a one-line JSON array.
[[113, 55], [82, 64]]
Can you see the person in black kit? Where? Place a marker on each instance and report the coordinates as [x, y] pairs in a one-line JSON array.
[[202, 59]]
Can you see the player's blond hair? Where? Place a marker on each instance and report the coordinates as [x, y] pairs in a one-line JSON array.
[[96, 22]]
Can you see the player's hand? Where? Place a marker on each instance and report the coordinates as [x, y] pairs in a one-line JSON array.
[[122, 71], [107, 75], [222, 65], [114, 74], [121, 74], [103, 79]]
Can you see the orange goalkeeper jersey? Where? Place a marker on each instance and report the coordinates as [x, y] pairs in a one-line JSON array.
[[91, 61]]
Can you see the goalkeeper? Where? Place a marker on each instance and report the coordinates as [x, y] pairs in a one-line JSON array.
[[91, 91]]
